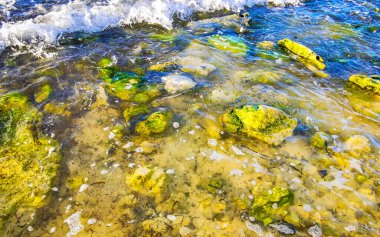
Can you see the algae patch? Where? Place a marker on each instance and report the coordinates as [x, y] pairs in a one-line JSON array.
[[29, 159], [262, 122]]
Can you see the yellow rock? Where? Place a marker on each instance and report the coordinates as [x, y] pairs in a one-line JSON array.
[[367, 82], [265, 45], [148, 181], [305, 55], [161, 66]]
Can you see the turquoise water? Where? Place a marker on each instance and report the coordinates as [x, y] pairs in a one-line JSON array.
[[81, 160]]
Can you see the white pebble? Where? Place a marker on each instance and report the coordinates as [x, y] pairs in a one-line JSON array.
[[236, 172], [255, 228], [315, 231], [192, 132], [131, 165], [171, 217], [128, 145], [170, 171], [30, 228], [139, 150], [91, 221], [175, 125], [212, 142], [104, 172], [307, 208], [52, 230], [55, 189], [83, 187]]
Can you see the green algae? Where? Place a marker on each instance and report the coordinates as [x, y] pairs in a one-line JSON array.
[[320, 140], [229, 43], [43, 93], [272, 205], [155, 123], [60, 109], [148, 181], [214, 185], [262, 122], [135, 110], [29, 159]]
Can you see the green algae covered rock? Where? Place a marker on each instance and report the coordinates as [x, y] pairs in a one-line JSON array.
[[135, 110], [272, 205], [320, 140], [229, 43], [303, 53], [262, 122], [148, 181], [214, 185], [156, 123], [43, 93], [371, 83], [29, 160]]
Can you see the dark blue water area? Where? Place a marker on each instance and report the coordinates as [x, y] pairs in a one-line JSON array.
[[345, 33]]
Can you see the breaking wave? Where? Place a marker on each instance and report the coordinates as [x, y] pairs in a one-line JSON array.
[[83, 16]]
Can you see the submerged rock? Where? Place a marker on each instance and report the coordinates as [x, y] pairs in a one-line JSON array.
[[148, 181], [29, 160], [268, 45], [259, 76], [367, 82], [262, 122], [311, 60], [320, 140], [160, 67], [271, 205], [177, 83], [156, 123], [195, 66], [43, 93], [135, 110], [357, 145], [229, 43]]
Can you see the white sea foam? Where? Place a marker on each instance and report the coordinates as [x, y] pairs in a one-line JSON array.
[[79, 16]]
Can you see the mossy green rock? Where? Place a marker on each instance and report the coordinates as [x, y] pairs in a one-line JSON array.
[[371, 83], [229, 43], [272, 205], [148, 181], [320, 140], [262, 122], [29, 160], [43, 93], [135, 110], [303, 53], [156, 123]]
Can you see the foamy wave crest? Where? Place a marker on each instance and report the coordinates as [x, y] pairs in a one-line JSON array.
[[79, 16]]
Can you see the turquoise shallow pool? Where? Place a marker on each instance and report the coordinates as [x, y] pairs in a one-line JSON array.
[[175, 118]]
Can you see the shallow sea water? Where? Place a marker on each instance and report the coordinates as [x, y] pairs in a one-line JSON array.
[[336, 193]]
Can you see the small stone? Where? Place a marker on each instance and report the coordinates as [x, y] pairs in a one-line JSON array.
[[171, 217], [175, 125], [285, 229], [315, 231], [91, 221], [30, 228], [212, 142], [52, 230], [83, 187]]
